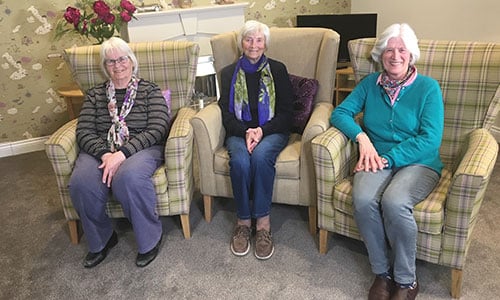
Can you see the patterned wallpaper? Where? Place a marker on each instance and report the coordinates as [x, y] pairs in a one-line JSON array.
[[30, 75], [282, 13], [32, 70]]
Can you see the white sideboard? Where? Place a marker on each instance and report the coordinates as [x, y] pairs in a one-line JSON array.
[[197, 24]]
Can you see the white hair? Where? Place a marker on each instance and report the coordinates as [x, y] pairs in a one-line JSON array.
[[406, 33], [253, 27], [116, 43]]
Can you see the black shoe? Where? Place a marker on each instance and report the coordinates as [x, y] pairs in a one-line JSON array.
[[93, 259], [146, 258]]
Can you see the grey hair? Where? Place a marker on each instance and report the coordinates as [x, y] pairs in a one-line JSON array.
[[406, 33], [116, 43], [253, 27]]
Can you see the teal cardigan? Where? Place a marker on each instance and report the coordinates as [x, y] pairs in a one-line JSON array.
[[408, 132]]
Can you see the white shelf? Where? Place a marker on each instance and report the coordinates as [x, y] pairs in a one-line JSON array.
[[197, 24]]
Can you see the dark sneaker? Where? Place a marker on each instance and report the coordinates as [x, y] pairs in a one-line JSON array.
[[264, 247], [240, 241], [406, 293], [381, 288]]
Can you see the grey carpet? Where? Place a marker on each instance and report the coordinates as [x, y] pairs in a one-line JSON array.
[[37, 261]]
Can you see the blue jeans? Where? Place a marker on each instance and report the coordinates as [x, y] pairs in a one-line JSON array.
[[252, 175], [383, 210], [132, 186]]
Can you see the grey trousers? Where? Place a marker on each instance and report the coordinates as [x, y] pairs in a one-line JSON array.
[[383, 210], [132, 186]]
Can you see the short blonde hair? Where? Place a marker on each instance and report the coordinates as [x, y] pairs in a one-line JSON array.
[[116, 43], [406, 33], [253, 27]]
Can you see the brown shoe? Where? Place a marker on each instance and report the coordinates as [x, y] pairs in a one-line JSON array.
[[381, 288], [408, 293], [264, 246], [240, 242]]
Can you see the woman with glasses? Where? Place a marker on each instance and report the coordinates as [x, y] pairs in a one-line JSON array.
[[121, 131]]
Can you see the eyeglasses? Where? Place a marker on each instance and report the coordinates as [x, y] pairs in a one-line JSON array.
[[120, 60]]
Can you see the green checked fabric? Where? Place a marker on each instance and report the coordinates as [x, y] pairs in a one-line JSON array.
[[170, 64], [469, 75]]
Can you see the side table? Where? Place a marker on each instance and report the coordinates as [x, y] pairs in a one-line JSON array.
[[344, 84], [74, 99]]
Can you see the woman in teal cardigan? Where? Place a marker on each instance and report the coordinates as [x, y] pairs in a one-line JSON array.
[[399, 163]]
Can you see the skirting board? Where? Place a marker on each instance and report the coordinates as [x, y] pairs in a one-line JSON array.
[[23, 146]]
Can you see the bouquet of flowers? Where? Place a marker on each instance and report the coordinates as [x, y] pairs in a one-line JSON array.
[[96, 19]]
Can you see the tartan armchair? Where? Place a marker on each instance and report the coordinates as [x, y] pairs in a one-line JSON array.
[[170, 64], [469, 75]]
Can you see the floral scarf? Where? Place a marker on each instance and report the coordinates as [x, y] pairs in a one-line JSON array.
[[392, 87], [238, 96], [118, 133]]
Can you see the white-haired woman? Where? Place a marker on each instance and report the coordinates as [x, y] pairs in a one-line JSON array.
[[121, 133], [256, 102], [399, 163]]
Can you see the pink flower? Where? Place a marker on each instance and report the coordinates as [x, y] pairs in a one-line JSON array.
[[109, 19], [125, 16], [72, 15], [128, 6], [101, 9], [96, 18]]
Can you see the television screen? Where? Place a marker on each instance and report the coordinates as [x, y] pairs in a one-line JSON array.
[[348, 26]]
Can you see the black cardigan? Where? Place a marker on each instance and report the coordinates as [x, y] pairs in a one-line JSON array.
[[282, 120]]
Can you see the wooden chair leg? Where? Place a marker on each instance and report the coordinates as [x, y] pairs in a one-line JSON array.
[[313, 215], [456, 283], [73, 231], [186, 228], [207, 202], [323, 241]]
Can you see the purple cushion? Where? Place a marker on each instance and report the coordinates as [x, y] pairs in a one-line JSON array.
[[304, 90]]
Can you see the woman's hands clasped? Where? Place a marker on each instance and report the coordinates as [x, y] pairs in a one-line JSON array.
[[369, 160], [253, 137]]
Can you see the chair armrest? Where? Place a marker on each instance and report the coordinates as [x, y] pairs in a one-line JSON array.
[[209, 131], [319, 121], [181, 132], [317, 124], [62, 149], [334, 157], [208, 127], [209, 135], [179, 154], [466, 194]]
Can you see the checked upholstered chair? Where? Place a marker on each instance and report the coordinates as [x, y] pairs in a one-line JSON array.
[[469, 75], [170, 64], [307, 52]]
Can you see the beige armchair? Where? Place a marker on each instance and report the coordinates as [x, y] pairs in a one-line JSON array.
[[469, 75], [171, 65], [307, 52]]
